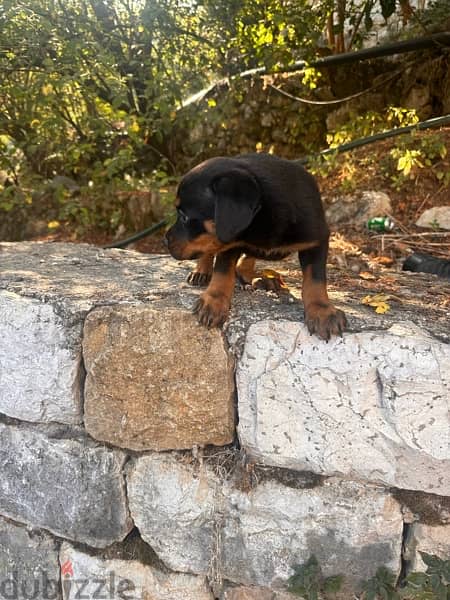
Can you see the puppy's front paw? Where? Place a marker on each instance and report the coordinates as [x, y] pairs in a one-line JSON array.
[[198, 279], [212, 309], [325, 320]]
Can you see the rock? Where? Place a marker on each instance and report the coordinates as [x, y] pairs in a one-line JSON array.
[[358, 208], [69, 487], [39, 361], [351, 531], [174, 511], [75, 278], [125, 579], [29, 565], [173, 391], [419, 98], [371, 406], [255, 593], [197, 523], [426, 508], [437, 217], [434, 540], [45, 292]]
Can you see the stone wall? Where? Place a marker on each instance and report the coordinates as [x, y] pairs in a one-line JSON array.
[[143, 456]]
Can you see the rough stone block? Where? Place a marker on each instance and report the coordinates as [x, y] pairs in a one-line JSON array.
[[358, 208], [255, 593], [174, 511], [197, 523], [371, 406], [125, 579], [66, 486], [432, 539], [438, 216], [156, 380], [29, 565], [39, 361]]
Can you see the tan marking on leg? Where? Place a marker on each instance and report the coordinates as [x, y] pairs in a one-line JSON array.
[[213, 305], [321, 317], [210, 226], [246, 269], [201, 275]]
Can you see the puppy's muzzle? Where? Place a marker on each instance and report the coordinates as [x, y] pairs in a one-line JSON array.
[[179, 247], [173, 244]]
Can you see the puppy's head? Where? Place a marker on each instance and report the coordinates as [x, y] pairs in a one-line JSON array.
[[216, 202]]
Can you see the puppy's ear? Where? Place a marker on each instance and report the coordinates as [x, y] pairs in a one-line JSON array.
[[238, 199]]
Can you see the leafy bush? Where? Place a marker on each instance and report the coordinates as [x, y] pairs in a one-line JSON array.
[[308, 581]]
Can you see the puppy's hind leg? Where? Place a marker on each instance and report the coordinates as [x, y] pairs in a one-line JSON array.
[[201, 275], [268, 279], [245, 270]]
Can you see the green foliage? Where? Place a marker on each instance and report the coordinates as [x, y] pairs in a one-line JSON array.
[[381, 586], [311, 77], [434, 584], [94, 85], [91, 89], [412, 153], [370, 123], [308, 581], [406, 160]]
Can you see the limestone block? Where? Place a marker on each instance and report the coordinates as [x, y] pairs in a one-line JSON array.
[[156, 380], [39, 361], [29, 565], [174, 511], [358, 208], [255, 593], [438, 216], [120, 579], [432, 539], [371, 406], [66, 486], [197, 523]]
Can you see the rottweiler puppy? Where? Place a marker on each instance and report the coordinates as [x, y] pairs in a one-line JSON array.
[[232, 211]]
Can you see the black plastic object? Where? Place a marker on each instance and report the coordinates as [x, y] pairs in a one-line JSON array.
[[425, 263]]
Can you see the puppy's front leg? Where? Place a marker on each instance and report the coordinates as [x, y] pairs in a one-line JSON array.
[[201, 275], [214, 304], [321, 317]]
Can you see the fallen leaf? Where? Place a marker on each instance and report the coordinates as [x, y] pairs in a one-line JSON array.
[[367, 275], [378, 302], [382, 308], [271, 274], [383, 260]]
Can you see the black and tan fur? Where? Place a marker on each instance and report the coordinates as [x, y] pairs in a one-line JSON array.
[[232, 211]]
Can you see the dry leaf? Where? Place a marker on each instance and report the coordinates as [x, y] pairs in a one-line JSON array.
[[383, 260], [367, 275], [378, 302], [382, 308], [271, 274]]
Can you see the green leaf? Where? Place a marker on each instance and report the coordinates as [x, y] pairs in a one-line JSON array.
[[431, 560], [333, 584]]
